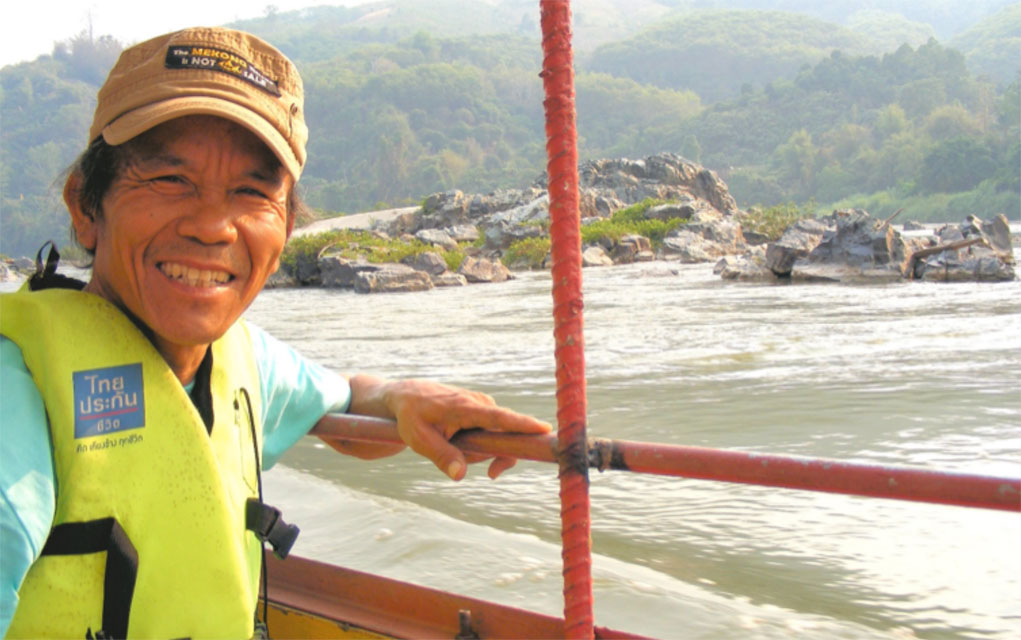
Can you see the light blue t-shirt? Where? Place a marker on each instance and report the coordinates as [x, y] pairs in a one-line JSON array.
[[296, 393]]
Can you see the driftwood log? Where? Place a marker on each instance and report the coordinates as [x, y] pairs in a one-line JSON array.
[[909, 264]]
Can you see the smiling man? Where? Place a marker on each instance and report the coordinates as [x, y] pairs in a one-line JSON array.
[[139, 409]]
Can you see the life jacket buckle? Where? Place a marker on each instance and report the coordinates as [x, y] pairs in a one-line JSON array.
[[265, 522]]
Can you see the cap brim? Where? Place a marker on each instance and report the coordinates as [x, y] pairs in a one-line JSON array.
[[140, 120]]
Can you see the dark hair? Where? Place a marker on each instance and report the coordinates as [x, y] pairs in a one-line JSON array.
[[101, 163]]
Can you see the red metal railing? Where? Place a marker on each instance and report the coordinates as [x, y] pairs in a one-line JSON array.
[[791, 472]]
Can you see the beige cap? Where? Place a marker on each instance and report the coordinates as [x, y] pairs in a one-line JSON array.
[[210, 71]]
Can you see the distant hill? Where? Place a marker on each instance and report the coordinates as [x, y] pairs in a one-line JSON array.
[[993, 46], [338, 30], [398, 112], [715, 52], [889, 30]]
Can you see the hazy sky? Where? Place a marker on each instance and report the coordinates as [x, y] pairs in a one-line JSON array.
[[30, 27]]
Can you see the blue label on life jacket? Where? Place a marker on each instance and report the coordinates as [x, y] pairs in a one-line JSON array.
[[108, 400]]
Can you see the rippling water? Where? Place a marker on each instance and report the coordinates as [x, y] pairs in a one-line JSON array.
[[909, 373]]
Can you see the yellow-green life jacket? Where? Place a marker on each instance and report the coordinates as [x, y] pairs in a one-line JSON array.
[[140, 481]]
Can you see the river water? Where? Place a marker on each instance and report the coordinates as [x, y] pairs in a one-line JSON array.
[[909, 373]]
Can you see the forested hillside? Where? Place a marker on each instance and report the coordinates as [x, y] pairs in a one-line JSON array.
[[766, 99]]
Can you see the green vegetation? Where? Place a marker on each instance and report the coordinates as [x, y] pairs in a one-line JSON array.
[[528, 253], [993, 46], [628, 221], [405, 100], [714, 52], [772, 221], [353, 245], [911, 124]]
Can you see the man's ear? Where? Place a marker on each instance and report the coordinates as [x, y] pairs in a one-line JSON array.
[[84, 222]]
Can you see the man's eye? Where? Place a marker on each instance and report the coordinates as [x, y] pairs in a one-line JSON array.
[[169, 179], [251, 191]]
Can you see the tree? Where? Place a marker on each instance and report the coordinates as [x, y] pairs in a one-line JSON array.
[[958, 164]]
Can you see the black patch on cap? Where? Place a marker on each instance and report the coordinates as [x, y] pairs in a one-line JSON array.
[[186, 56]]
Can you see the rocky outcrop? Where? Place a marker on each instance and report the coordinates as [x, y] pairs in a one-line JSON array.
[[665, 176], [846, 246], [974, 251], [852, 246], [506, 216], [856, 246]]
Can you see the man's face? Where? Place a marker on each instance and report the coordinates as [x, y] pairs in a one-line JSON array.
[[191, 229]]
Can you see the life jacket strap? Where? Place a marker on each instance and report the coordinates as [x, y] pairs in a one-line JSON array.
[[97, 536]]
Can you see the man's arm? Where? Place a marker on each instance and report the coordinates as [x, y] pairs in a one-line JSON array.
[[298, 392], [428, 414], [27, 485]]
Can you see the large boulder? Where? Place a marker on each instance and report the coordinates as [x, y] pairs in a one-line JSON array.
[[440, 210], [997, 235], [391, 278], [688, 247], [595, 256], [796, 242], [449, 279], [706, 239], [632, 248], [428, 261], [437, 238], [463, 232], [306, 270], [339, 272], [750, 266], [483, 270]]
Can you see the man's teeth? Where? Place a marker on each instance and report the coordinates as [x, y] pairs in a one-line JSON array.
[[194, 277]]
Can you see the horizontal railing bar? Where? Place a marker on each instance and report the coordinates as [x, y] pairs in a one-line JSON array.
[[704, 463]]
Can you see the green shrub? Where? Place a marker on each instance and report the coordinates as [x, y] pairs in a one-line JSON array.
[[453, 259], [631, 221], [351, 244], [528, 253], [636, 212], [773, 221], [613, 230]]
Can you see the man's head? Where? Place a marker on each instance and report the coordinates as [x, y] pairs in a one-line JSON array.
[[208, 71], [186, 193]]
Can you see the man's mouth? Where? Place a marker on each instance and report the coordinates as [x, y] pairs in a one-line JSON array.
[[194, 277]]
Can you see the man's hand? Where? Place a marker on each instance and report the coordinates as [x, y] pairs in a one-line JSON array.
[[428, 414]]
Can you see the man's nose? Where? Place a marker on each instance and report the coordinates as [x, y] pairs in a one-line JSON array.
[[210, 221]]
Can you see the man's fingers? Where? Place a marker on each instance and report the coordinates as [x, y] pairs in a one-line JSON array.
[[499, 465], [430, 443], [497, 419]]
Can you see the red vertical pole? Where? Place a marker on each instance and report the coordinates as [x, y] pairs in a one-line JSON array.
[[565, 234]]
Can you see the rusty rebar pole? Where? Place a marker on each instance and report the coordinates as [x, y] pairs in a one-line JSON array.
[[565, 240]]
